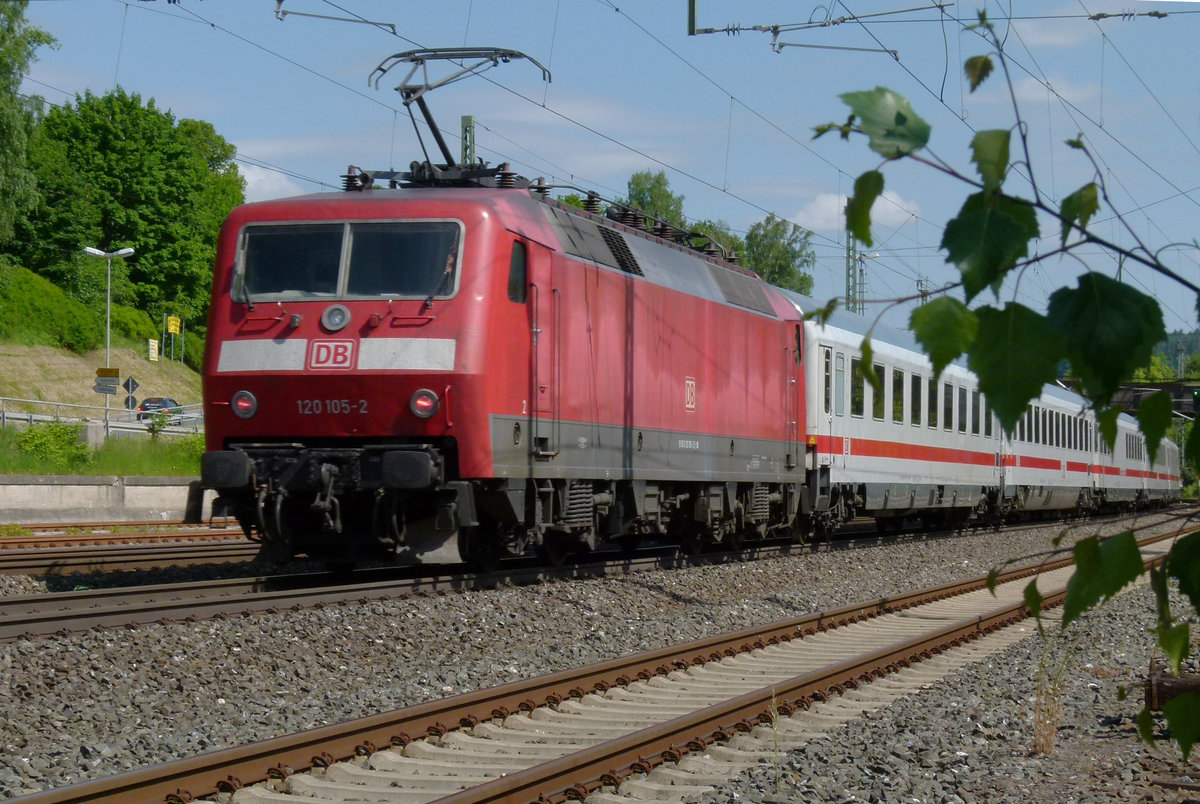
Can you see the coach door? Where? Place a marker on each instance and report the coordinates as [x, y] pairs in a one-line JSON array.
[[545, 305], [794, 399]]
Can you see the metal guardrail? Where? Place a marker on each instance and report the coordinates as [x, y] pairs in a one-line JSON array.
[[116, 420]]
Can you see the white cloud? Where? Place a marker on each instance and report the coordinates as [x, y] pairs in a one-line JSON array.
[[263, 184], [825, 213]]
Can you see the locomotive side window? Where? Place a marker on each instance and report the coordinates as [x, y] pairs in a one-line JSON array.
[[898, 396], [858, 387], [914, 410], [877, 399], [518, 272], [414, 259]]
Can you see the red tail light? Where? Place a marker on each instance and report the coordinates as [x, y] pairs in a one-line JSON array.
[[424, 403]]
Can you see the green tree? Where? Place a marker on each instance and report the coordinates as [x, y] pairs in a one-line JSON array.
[[651, 193], [718, 232], [18, 43], [781, 253], [113, 171], [1157, 370], [1106, 330]]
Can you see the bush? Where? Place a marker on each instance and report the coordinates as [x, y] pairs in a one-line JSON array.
[[56, 443], [133, 323], [35, 311]]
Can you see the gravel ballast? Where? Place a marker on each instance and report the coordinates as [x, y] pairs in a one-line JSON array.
[[90, 705]]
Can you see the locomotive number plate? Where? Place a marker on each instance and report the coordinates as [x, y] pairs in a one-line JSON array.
[[333, 407]]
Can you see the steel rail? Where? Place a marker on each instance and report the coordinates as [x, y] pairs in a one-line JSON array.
[[227, 770], [59, 561]]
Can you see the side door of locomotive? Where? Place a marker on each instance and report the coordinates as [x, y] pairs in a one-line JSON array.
[[545, 311]]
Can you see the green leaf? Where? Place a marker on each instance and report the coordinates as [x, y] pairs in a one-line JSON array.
[[1154, 417], [1183, 564], [989, 152], [1101, 570], [1183, 718], [1145, 725], [821, 314], [1014, 354], [1174, 642], [868, 366], [978, 68], [1033, 601], [1079, 207], [888, 119], [1110, 329], [867, 188], [985, 240], [946, 328], [1107, 419], [993, 577], [1076, 142]]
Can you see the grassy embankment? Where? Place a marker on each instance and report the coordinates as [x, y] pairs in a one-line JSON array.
[[47, 374]]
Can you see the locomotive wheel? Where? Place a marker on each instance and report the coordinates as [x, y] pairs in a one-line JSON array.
[[479, 547], [556, 548]]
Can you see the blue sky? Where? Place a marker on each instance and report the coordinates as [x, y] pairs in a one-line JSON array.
[[728, 117]]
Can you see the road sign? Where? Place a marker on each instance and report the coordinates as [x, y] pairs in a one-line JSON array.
[[130, 385], [104, 389], [130, 402], [110, 382], [173, 324], [108, 372]]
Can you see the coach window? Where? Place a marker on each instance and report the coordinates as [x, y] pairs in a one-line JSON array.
[[932, 401], [962, 410], [914, 403], [878, 396], [1035, 436], [858, 387], [987, 419], [898, 396], [947, 406], [1019, 435], [827, 372], [839, 385], [517, 273], [974, 413]]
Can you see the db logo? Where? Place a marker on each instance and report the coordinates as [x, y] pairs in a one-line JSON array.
[[331, 355], [689, 393]]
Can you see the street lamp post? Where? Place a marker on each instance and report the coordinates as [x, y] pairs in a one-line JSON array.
[[107, 255]]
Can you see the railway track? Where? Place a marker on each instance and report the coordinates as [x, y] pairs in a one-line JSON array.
[[61, 561], [31, 616], [682, 717], [77, 534]]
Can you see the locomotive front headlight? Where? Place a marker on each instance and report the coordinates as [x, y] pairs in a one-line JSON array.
[[424, 403], [244, 404], [335, 317]]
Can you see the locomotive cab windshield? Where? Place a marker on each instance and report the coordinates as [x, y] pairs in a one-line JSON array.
[[414, 259]]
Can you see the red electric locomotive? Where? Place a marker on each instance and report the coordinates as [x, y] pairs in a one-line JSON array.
[[465, 363], [403, 369]]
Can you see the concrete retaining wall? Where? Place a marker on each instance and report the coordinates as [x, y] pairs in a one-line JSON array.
[[34, 498]]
